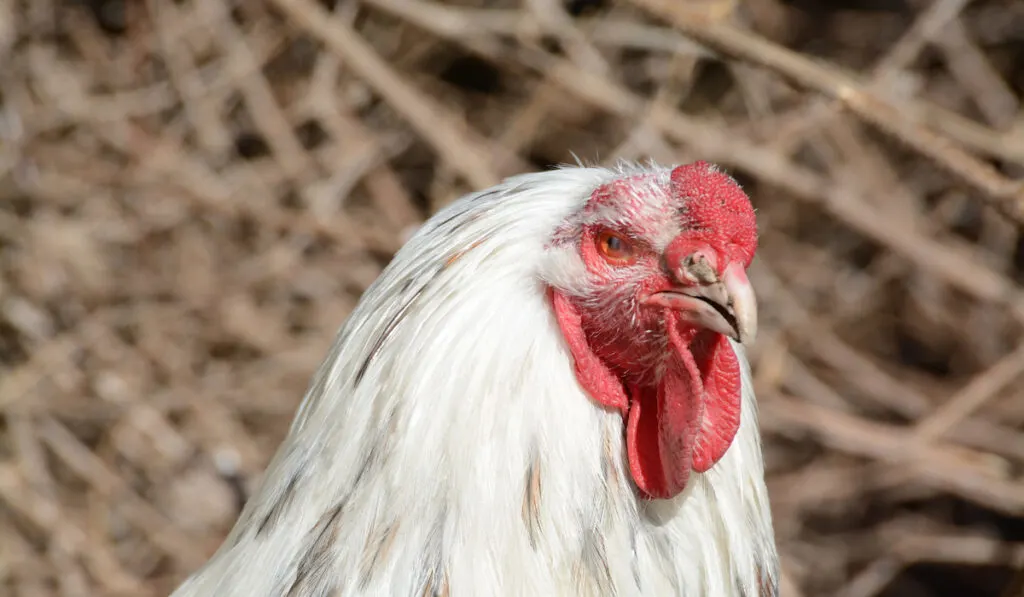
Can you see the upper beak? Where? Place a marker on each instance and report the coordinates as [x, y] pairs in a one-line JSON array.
[[726, 305]]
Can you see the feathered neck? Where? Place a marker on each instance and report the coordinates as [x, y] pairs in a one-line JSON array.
[[445, 445]]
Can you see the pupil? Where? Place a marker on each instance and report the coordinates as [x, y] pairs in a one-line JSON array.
[[614, 244]]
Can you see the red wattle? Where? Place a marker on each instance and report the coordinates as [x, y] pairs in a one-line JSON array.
[[642, 450], [715, 374], [688, 421], [723, 403], [660, 435]]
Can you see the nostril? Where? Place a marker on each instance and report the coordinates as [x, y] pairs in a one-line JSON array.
[[699, 268], [692, 261]]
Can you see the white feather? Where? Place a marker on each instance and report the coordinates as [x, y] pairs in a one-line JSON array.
[[413, 470]]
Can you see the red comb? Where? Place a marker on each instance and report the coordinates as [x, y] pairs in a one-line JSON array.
[[716, 203]]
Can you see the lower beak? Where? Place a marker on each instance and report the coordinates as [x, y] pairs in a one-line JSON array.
[[727, 306]]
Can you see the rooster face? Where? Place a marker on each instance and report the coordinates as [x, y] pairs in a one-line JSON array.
[[660, 286]]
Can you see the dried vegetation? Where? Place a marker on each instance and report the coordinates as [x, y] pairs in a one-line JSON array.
[[194, 193]]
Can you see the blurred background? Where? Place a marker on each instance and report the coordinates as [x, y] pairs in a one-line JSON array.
[[194, 193]]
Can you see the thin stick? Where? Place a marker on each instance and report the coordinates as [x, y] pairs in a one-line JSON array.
[[472, 157], [139, 512], [982, 388], [974, 477]]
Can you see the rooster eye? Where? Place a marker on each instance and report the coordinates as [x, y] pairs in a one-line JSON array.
[[615, 248]]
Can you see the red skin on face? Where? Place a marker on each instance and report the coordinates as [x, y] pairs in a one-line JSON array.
[[677, 386]]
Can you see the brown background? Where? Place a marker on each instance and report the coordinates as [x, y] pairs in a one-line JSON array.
[[193, 195]]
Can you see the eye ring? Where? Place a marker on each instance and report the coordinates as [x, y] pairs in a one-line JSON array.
[[614, 247]]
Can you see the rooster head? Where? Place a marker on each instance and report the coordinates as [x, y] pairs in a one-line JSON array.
[[648, 286]]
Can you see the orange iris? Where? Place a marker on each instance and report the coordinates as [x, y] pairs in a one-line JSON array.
[[616, 248]]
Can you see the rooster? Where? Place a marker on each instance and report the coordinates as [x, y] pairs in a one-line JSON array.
[[545, 393]]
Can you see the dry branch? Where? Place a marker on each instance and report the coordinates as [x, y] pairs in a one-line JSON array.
[[194, 195]]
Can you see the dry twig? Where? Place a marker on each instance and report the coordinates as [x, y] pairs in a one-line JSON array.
[[193, 198]]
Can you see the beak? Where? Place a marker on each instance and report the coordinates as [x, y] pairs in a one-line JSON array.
[[727, 305]]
